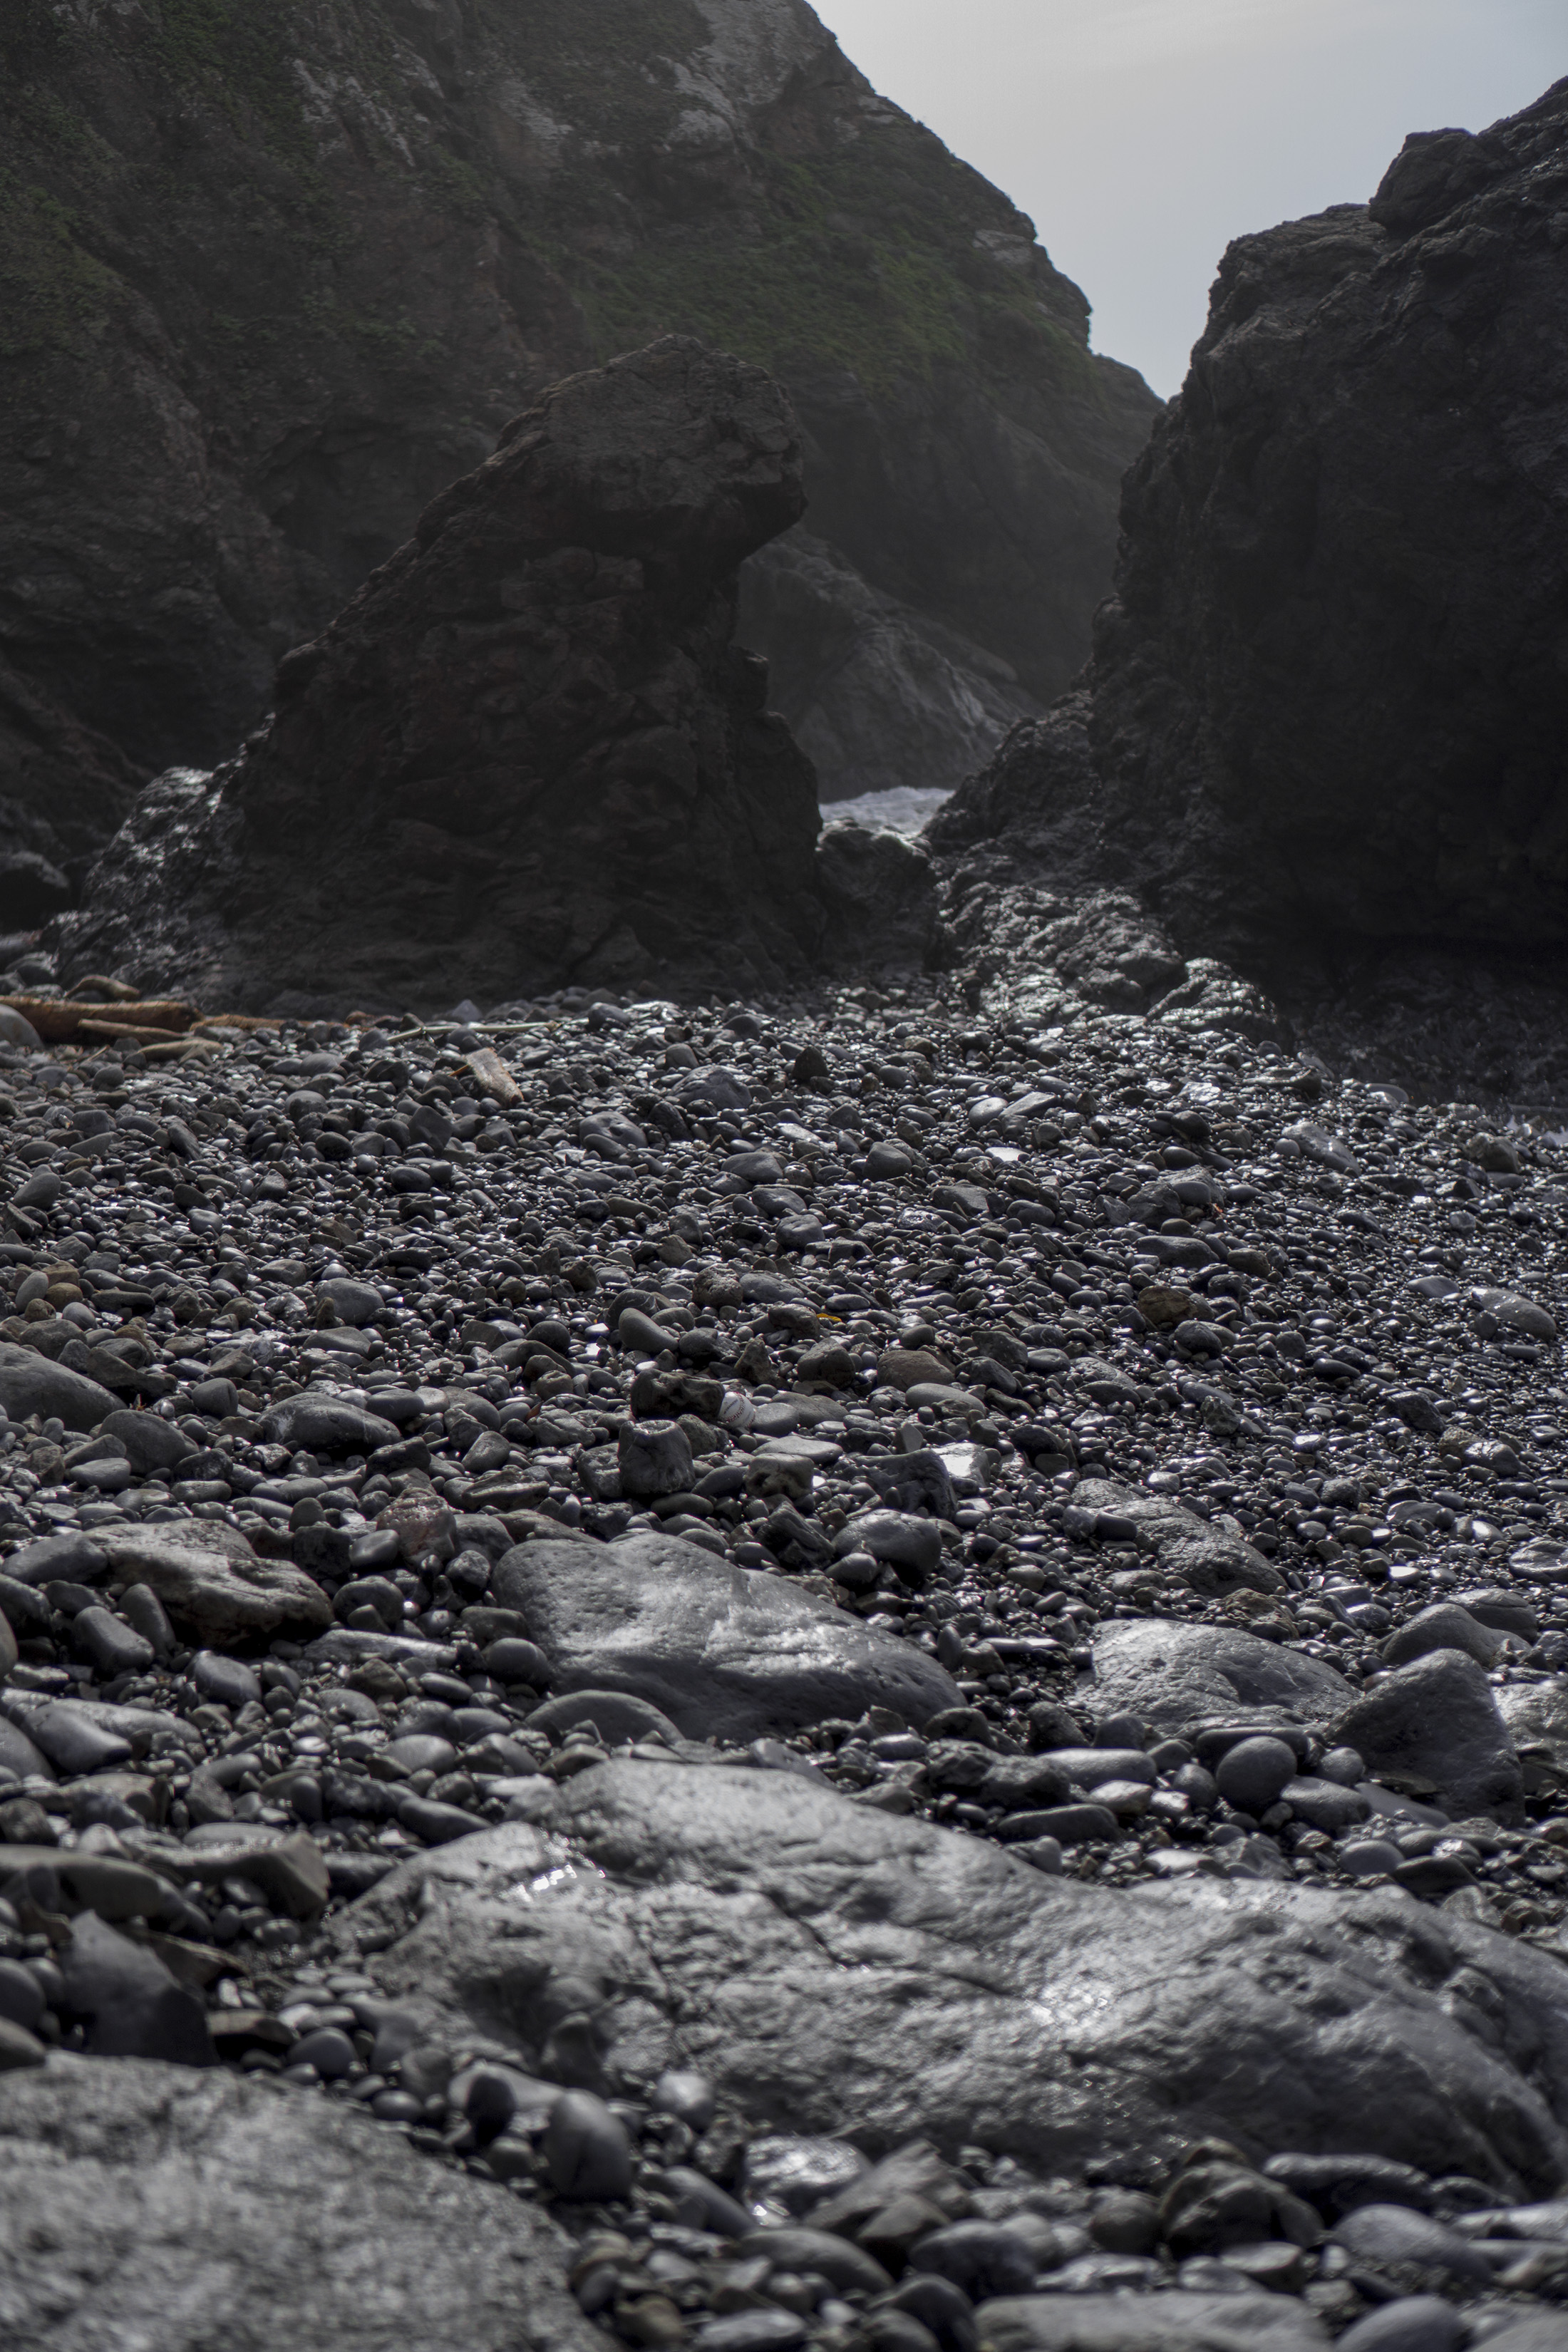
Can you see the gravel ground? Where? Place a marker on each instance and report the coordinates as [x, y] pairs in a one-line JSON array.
[[1148, 1452]]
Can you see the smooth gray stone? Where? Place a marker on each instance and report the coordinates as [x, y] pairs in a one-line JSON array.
[[1175, 1676], [421, 1751], [71, 1740], [1089, 1765], [1175, 2321], [325, 1424], [723, 1650], [1504, 1612], [714, 1088], [640, 1331], [513, 1660], [328, 2050], [1415, 2323], [765, 2330], [1324, 1805], [654, 1458], [209, 1579], [216, 2201], [31, 1383], [142, 1727], [1438, 1718], [133, 2006], [21, 1755], [346, 1646], [1445, 1626], [151, 1443], [984, 2257], [1536, 1714], [73, 1558], [354, 1303], [718, 2210], [838, 2260], [585, 2149], [114, 1647], [1538, 2331], [1393, 2237], [620, 1718], [21, 1995], [24, 1608], [436, 1824], [796, 1948], [901, 1537], [228, 1680], [1252, 1774]]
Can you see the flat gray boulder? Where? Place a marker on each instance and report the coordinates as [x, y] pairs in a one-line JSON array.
[[150, 2203], [857, 1973], [1175, 1675], [1207, 1559], [717, 1649], [207, 1577]]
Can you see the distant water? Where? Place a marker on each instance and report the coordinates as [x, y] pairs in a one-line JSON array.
[[903, 809]]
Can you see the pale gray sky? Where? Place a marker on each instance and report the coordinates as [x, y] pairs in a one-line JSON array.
[[1142, 135]]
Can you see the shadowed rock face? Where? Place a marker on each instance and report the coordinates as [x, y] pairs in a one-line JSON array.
[[277, 276], [1334, 665], [527, 748], [876, 694], [1328, 702]]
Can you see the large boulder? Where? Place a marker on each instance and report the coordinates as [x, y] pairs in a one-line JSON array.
[[1175, 1676], [527, 749], [213, 2206], [731, 1650], [834, 1969]]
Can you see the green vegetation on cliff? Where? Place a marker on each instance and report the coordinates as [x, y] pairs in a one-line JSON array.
[[858, 252], [274, 272]]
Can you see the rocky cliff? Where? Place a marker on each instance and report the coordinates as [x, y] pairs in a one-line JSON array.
[[1327, 707], [271, 276], [527, 749]]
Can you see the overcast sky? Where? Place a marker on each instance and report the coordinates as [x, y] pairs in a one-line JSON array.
[[1142, 135]]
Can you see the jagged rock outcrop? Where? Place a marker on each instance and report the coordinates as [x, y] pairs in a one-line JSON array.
[[1323, 726], [527, 749], [1333, 678], [274, 276]]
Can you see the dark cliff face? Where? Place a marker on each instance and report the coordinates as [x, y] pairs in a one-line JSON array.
[[271, 275], [1331, 692], [526, 750], [1324, 730]]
